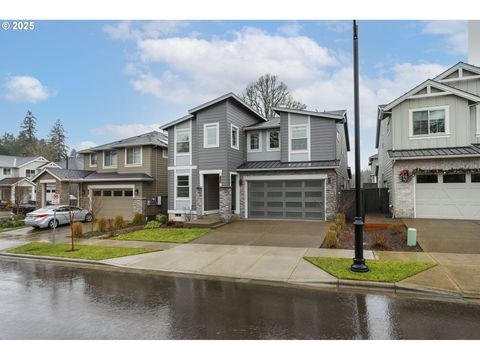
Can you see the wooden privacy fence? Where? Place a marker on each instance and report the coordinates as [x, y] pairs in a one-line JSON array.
[[375, 201]]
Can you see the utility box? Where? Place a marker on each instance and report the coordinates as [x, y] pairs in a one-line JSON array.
[[412, 237]]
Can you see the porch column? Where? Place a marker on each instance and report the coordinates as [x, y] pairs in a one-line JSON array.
[[12, 194], [199, 200], [225, 210]]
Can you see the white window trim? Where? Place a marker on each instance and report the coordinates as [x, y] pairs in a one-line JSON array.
[[201, 174], [259, 141], [164, 153], [96, 159], [189, 141], [268, 141], [217, 137], [429, 136], [290, 127], [141, 157], [110, 166], [477, 114], [237, 147], [189, 175]]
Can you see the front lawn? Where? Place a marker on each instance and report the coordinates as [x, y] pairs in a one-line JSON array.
[[176, 235], [87, 252], [380, 270]]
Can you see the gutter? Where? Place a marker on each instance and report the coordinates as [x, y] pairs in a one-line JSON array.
[[293, 169]]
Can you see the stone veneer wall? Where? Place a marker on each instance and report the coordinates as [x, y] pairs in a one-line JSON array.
[[225, 206], [330, 188], [403, 193], [199, 200]]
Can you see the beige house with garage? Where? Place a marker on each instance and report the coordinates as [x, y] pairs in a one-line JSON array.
[[120, 178], [428, 143]]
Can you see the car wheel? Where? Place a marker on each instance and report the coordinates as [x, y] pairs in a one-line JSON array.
[[88, 218], [52, 224]]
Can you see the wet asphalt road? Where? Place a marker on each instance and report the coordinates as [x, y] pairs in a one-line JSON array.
[[50, 301]]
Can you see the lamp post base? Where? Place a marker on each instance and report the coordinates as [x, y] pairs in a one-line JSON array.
[[359, 266]]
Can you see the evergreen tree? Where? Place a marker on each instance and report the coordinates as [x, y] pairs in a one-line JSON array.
[[9, 144], [27, 139], [56, 142]]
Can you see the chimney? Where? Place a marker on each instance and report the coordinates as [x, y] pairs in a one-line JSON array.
[[474, 42]]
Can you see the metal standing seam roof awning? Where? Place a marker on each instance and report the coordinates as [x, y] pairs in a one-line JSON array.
[[457, 151], [278, 165]]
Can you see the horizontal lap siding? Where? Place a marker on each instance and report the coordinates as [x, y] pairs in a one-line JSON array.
[[323, 139]]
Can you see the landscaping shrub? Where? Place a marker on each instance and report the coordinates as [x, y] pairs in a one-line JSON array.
[[137, 219], [332, 227], [101, 225], [331, 240], [162, 219], [118, 222], [77, 229], [379, 240], [154, 224]]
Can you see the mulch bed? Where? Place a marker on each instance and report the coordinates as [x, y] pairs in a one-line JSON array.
[[395, 238]]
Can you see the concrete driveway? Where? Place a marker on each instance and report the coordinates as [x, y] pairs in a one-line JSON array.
[[447, 236], [29, 234], [300, 234]]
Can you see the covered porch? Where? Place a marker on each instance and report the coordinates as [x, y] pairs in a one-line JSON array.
[[16, 191]]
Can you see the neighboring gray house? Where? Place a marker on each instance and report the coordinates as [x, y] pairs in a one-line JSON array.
[[373, 163], [226, 158], [433, 133]]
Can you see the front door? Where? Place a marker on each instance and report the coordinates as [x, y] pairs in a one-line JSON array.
[[211, 198]]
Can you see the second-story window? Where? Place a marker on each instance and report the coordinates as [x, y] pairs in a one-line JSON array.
[[93, 159], [110, 158], [210, 135], [133, 156], [7, 171], [429, 122], [254, 142], [183, 141], [234, 137], [29, 172], [273, 140], [299, 138]]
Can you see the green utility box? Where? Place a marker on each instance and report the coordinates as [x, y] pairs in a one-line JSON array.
[[412, 237]]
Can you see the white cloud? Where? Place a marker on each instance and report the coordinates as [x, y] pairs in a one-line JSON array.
[[126, 30], [339, 26], [25, 89], [290, 29], [82, 145], [124, 131], [455, 34]]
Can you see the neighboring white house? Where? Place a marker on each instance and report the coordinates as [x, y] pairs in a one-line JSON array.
[[428, 143], [373, 163], [15, 175]]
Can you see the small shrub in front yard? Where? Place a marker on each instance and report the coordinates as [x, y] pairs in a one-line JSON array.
[[101, 225], [137, 219], [111, 227], [162, 219], [153, 224], [118, 222], [379, 240], [77, 229], [331, 240]]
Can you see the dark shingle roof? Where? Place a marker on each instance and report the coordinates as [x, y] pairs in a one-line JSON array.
[[69, 174], [10, 181], [116, 176], [278, 165], [15, 161], [151, 138], [457, 151], [270, 124], [92, 176]]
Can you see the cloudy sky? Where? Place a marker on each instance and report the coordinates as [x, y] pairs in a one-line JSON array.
[[108, 80]]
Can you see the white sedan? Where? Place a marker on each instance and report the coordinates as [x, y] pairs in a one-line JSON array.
[[52, 216]]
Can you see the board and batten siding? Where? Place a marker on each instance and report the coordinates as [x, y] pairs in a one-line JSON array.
[[342, 155], [284, 137], [459, 123], [385, 164], [471, 86], [241, 118], [323, 138]]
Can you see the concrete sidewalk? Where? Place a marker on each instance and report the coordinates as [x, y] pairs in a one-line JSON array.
[[455, 274]]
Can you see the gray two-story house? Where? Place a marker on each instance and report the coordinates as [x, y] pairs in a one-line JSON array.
[[123, 177], [228, 159], [428, 144]]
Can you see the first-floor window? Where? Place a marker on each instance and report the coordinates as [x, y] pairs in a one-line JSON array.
[[183, 186], [427, 122]]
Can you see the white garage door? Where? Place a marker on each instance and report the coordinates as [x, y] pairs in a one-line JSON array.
[[448, 196], [113, 202]]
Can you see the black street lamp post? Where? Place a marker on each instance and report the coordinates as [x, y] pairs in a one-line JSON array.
[[358, 261]]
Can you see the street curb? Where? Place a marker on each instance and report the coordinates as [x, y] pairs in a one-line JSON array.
[[338, 284]]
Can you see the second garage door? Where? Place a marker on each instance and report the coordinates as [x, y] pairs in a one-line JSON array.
[[452, 196], [113, 202], [286, 199]]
